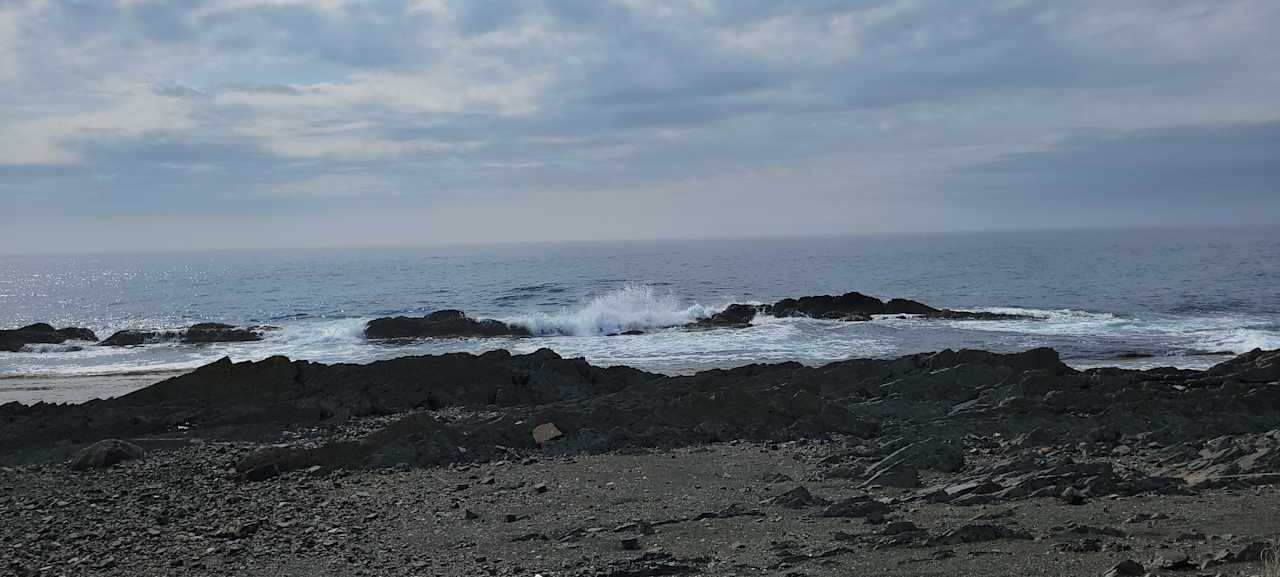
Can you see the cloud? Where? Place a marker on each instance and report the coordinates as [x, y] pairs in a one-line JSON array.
[[889, 108]]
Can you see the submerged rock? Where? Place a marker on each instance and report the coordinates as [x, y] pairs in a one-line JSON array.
[[12, 340], [443, 323]]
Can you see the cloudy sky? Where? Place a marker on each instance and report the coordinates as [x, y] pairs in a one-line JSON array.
[[131, 124]]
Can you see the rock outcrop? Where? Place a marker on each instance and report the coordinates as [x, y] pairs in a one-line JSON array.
[[13, 340], [197, 333], [860, 307], [444, 323], [915, 417]]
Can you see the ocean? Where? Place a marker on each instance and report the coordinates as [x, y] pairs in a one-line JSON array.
[[1134, 298]]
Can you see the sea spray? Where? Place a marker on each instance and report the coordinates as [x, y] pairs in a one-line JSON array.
[[633, 307]]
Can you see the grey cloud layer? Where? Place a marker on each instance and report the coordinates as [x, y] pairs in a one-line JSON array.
[[572, 114]]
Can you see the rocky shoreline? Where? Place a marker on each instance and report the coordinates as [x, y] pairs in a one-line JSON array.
[[955, 462], [451, 323]]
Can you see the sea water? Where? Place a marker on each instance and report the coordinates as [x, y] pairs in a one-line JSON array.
[[1135, 298]]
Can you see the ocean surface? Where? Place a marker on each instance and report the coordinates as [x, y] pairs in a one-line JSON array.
[[1184, 297]]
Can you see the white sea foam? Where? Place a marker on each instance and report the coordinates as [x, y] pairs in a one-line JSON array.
[[634, 307], [45, 348]]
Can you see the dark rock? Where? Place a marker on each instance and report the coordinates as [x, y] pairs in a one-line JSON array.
[[1073, 496], [797, 498], [218, 333], [1126, 567], [736, 315], [443, 323], [1173, 561], [135, 337], [854, 507], [197, 333], [896, 474], [908, 307], [106, 453], [853, 306], [13, 340]]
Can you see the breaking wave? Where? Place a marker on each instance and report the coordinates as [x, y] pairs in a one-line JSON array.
[[634, 307]]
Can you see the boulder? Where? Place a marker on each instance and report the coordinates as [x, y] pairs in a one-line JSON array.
[[13, 340], [443, 323], [106, 453], [546, 433]]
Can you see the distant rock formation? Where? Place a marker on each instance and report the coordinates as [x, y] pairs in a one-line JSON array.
[[12, 340], [855, 306], [443, 323]]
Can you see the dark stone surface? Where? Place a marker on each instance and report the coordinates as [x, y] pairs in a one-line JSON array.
[[735, 315], [106, 453], [197, 333], [443, 323]]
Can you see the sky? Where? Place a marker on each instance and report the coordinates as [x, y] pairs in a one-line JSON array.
[[183, 124]]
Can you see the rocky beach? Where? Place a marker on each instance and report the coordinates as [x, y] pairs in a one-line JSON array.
[[956, 462]]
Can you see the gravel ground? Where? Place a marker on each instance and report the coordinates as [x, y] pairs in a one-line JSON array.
[[704, 510]]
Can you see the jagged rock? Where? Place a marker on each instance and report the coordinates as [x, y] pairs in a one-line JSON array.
[[896, 474], [1249, 553], [106, 453], [926, 454], [13, 340], [1226, 460], [444, 323]]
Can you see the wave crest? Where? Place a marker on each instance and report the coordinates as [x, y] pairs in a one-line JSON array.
[[634, 307]]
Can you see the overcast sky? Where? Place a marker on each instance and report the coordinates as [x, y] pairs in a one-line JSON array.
[[133, 124]]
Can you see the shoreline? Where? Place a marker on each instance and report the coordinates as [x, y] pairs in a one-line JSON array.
[[952, 462], [78, 388]]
